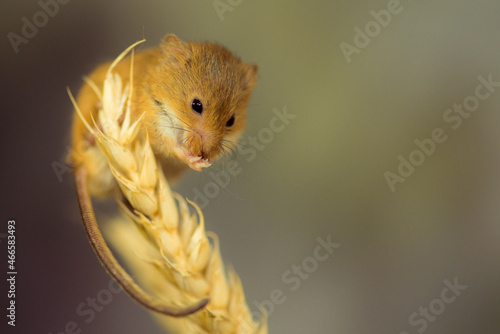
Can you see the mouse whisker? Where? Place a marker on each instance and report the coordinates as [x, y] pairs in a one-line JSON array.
[[233, 142], [229, 144], [186, 124], [227, 150], [177, 128]]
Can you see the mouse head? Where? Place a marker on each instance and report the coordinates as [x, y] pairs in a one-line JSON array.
[[200, 92]]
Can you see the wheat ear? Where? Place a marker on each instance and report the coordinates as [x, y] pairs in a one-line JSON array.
[[165, 244], [82, 182]]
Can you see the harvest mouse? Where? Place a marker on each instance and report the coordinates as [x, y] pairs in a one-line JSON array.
[[192, 97]]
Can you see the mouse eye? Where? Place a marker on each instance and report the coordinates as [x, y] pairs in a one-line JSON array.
[[230, 122], [197, 106]]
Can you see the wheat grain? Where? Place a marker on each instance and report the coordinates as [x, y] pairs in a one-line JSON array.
[[165, 244]]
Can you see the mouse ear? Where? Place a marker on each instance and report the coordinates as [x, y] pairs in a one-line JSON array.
[[251, 75], [172, 47]]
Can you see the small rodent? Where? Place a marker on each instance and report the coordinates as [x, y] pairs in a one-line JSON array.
[[194, 96]]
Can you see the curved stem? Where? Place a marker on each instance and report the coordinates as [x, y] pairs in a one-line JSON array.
[[111, 264]]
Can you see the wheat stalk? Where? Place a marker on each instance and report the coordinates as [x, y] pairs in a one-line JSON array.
[[165, 244]]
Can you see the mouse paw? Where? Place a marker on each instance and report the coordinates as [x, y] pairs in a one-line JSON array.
[[198, 163], [194, 162]]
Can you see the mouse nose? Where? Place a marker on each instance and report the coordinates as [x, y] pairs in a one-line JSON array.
[[208, 150], [203, 144]]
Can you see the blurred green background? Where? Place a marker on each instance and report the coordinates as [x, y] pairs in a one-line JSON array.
[[323, 175]]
